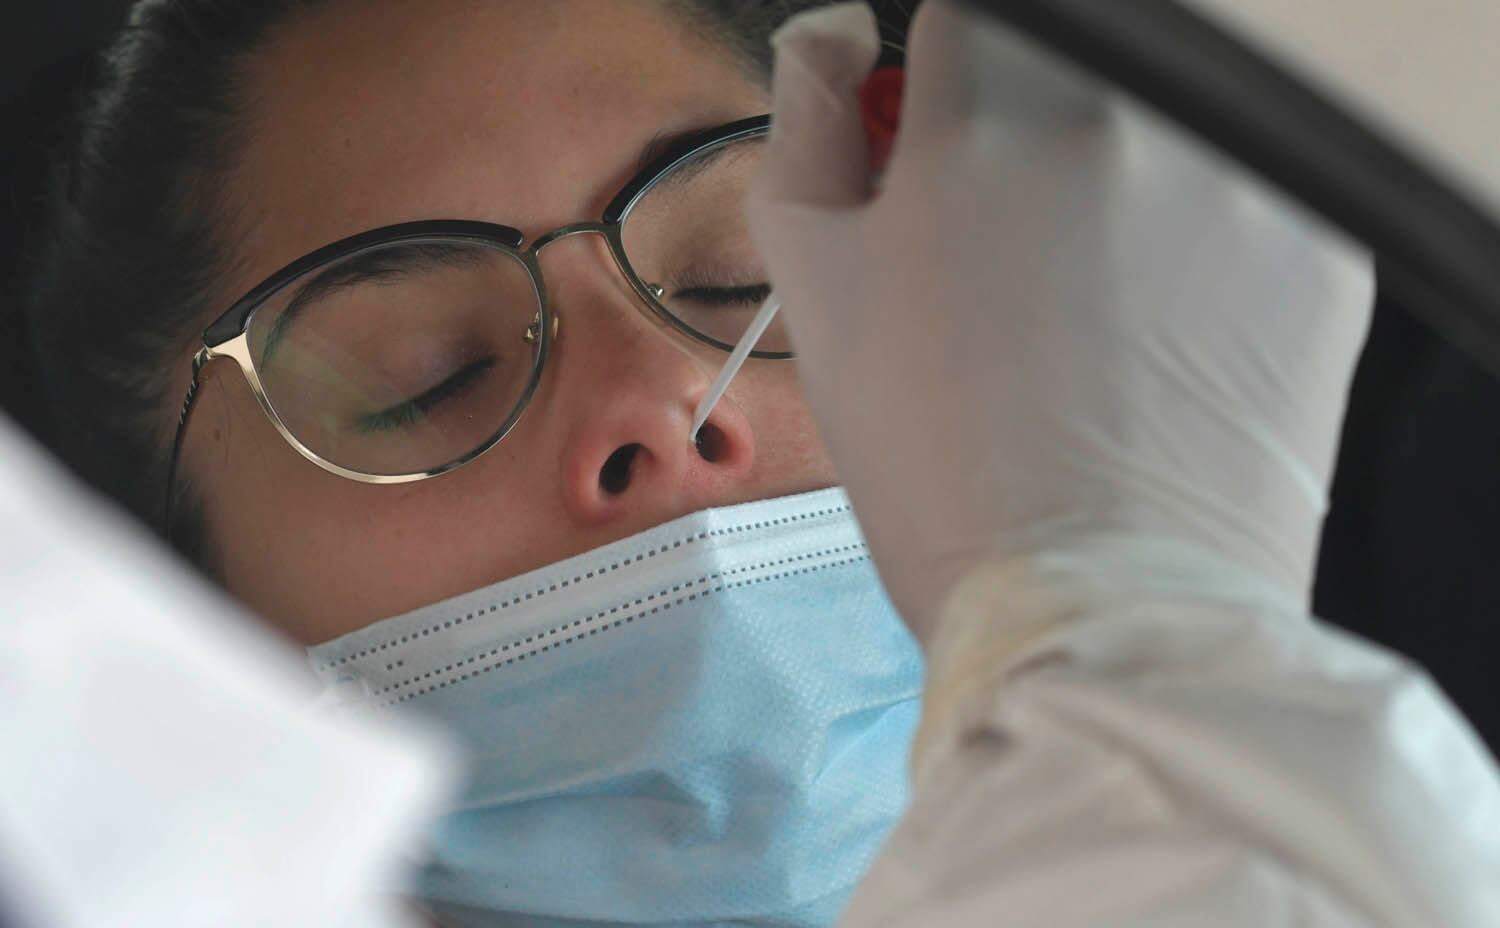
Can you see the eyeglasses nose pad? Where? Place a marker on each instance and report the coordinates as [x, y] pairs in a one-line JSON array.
[[534, 331], [656, 291]]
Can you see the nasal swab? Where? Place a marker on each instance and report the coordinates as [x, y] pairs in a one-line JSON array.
[[880, 102], [737, 358]]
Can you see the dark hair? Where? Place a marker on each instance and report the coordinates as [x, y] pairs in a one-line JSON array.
[[133, 235]]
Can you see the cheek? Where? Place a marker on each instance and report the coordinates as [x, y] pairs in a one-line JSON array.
[[787, 440], [317, 555]]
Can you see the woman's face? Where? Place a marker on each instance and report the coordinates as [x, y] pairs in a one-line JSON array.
[[526, 114]]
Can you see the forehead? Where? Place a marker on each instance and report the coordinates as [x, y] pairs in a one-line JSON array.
[[526, 112]]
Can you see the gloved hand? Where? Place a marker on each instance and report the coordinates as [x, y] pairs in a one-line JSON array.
[[1058, 320]]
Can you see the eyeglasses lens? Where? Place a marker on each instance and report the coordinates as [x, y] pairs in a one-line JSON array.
[[688, 240], [401, 359]]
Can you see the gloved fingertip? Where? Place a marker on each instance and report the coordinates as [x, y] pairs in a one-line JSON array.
[[838, 43], [822, 56], [818, 147]]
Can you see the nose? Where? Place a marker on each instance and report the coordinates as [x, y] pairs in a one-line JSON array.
[[627, 387], [632, 459]]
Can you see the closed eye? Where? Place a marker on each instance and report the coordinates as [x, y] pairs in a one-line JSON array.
[[408, 412], [747, 295]]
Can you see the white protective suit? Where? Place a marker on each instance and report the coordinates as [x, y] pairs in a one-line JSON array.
[[1083, 381]]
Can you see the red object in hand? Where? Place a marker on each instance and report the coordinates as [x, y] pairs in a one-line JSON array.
[[880, 104]]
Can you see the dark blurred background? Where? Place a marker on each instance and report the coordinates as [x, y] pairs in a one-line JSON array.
[[1410, 549]]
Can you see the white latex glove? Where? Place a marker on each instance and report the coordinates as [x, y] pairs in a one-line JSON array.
[[1058, 321], [161, 761], [1083, 382]]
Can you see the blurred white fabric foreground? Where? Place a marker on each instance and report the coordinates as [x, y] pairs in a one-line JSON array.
[[161, 763]]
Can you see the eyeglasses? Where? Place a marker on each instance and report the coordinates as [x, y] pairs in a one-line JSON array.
[[408, 351]]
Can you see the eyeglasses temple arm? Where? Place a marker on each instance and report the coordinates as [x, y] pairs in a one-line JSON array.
[[199, 360]]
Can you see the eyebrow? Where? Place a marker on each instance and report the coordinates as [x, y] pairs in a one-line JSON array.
[[385, 264], [663, 142], [682, 142]]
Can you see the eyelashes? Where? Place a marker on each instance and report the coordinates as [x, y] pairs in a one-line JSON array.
[[747, 294], [417, 408], [410, 411]]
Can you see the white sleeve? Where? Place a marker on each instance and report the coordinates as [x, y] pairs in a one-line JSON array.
[[161, 763], [1100, 749]]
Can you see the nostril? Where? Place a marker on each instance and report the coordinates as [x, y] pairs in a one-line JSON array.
[[711, 443], [614, 476]]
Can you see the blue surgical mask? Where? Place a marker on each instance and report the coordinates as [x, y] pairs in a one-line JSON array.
[[707, 723]]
